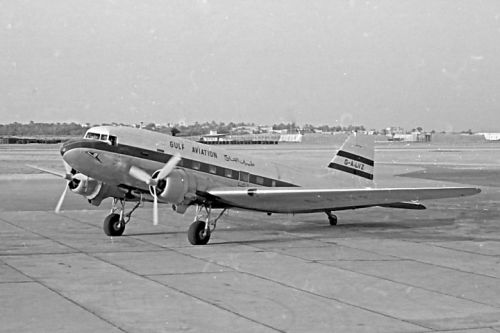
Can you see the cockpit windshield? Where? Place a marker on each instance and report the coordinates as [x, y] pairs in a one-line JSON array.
[[92, 135]]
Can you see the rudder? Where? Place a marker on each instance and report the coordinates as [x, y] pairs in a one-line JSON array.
[[356, 156]]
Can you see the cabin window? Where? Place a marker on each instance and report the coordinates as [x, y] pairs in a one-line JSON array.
[[244, 177], [259, 180], [228, 173], [104, 137], [273, 183], [196, 165], [212, 169]]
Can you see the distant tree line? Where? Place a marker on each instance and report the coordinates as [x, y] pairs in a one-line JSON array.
[[328, 128], [73, 129], [42, 129], [198, 128]]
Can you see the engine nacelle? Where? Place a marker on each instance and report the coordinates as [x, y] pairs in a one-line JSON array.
[[94, 190], [83, 185], [174, 188]]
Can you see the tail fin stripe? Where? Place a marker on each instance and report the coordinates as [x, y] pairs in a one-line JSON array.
[[351, 170], [343, 153]]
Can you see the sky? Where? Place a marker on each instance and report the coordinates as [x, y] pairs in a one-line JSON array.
[[411, 63]]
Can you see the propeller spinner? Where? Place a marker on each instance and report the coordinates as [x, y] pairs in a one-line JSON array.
[[153, 180]]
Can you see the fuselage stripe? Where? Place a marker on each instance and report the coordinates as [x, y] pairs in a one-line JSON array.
[[194, 165], [351, 170], [358, 158]]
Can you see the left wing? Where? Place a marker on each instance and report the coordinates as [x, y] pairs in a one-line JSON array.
[[307, 200]]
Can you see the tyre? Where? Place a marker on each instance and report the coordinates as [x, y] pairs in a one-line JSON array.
[[197, 234], [112, 225]]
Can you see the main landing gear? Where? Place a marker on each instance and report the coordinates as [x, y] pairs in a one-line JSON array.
[[114, 223], [331, 218], [200, 230]]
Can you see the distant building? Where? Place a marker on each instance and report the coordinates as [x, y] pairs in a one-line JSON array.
[[491, 136], [415, 136]]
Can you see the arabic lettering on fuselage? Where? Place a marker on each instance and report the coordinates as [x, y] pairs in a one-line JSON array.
[[237, 160]]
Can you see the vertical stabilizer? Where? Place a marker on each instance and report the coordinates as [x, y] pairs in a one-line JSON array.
[[356, 156]]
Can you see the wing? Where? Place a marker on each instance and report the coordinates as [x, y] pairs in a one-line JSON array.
[[304, 200]]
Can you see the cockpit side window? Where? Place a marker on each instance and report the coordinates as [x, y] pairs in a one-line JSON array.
[[112, 140]]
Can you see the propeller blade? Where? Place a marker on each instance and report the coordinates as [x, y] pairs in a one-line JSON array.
[[155, 207], [141, 175], [169, 166], [68, 169], [66, 176], [61, 200]]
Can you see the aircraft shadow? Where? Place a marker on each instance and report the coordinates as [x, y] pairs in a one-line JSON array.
[[420, 230], [155, 233]]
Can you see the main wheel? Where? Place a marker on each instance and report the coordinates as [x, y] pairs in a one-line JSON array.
[[332, 219], [112, 225], [197, 234]]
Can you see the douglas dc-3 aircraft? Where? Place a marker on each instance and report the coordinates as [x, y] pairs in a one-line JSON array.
[[136, 165]]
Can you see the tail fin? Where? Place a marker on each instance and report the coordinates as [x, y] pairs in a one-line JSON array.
[[356, 156]]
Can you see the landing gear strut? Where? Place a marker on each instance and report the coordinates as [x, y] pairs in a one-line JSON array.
[[331, 218], [114, 223], [200, 230]]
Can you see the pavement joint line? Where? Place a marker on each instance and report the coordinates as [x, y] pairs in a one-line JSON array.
[[306, 291], [465, 251], [330, 298], [35, 254], [419, 261], [266, 250], [17, 282], [296, 235], [355, 260], [55, 291], [133, 273], [384, 278], [403, 283], [296, 289], [183, 292], [188, 273], [322, 262], [467, 329], [414, 286]]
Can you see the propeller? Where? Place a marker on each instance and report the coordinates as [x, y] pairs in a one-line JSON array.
[[153, 180], [68, 176], [61, 200]]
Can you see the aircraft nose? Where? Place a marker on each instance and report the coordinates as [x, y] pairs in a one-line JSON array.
[[66, 146]]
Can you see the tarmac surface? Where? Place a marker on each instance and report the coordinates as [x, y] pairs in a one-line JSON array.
[[379, 270]]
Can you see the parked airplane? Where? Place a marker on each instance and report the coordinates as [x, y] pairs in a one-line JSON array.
[[129, 164]]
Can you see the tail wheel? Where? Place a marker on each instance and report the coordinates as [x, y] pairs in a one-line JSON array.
[[197, 235], [113, 226]]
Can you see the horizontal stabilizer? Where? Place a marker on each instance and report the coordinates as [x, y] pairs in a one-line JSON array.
[[405, 205]]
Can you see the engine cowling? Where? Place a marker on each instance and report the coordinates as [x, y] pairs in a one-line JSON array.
[[94, 190], [174, 188]]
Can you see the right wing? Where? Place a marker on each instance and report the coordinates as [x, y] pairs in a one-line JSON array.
[[307, 200]]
